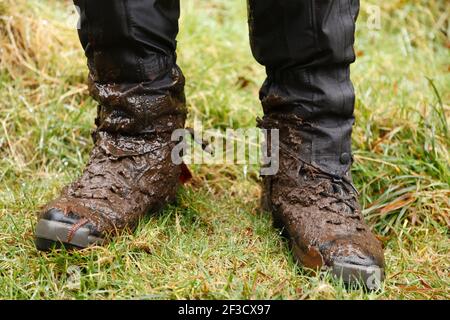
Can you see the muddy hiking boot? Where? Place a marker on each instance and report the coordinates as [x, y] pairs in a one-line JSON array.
[[319, 213], [130, 171]]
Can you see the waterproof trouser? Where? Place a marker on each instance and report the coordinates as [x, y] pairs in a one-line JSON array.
[[306, 47]]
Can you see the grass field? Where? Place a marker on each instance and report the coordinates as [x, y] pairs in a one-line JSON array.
[[215, 243]]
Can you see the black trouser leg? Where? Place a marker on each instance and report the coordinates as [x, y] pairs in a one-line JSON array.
[[128, 40], [130, 46], [307, 47]]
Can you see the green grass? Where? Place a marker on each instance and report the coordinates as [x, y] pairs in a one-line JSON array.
[[215, 243]]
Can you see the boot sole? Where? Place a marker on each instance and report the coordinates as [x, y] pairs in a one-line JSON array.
[[54, 235], [371, 277]]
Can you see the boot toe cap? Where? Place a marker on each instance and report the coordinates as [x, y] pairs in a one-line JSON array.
[[358, 264], [56, 229]]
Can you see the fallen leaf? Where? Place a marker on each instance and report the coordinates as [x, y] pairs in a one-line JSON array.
[[398, 203]]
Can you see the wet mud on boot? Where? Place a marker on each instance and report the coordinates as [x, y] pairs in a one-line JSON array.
[[320, 215], [130, 171]]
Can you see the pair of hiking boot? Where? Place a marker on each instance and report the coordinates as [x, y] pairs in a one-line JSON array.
[[130, 173]]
